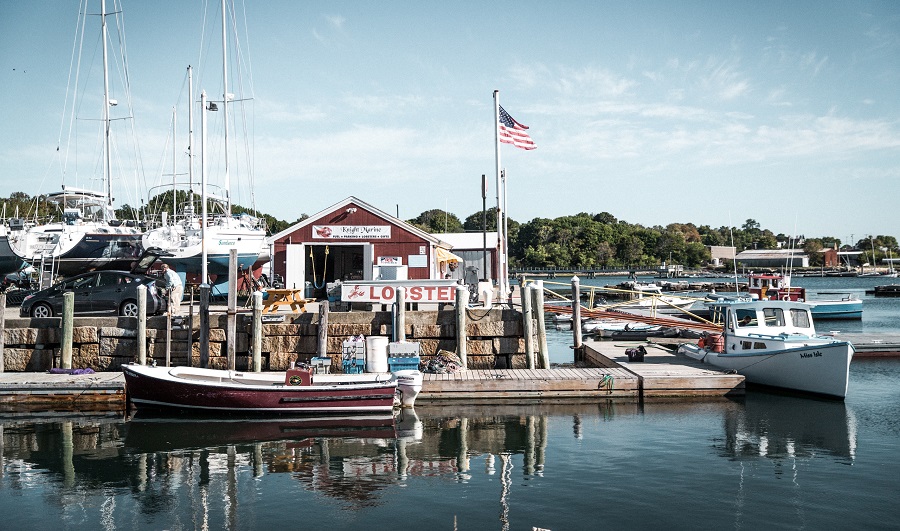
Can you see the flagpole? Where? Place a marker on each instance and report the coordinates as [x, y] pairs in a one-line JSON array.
[[501, 256]]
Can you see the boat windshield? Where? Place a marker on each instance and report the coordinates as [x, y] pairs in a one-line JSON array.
[[745, 317], [773, 316], [800, 318]]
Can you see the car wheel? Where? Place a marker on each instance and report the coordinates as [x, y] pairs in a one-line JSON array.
[[129, 309], [42, 309]]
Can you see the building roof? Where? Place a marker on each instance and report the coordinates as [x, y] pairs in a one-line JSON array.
[[355, 201], [770, 254], [469, 240]]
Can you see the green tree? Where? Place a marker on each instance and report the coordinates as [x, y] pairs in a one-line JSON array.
[[437, 221]]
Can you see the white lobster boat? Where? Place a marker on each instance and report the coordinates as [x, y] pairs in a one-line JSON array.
[[774, 343]]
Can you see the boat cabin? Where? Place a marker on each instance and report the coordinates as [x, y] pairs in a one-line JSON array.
[[763, 325], [774, 286]]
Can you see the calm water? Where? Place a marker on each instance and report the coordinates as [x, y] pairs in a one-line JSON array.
[[765, 461]]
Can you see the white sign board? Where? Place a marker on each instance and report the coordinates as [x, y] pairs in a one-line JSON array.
[[352, 232], [385, 292]]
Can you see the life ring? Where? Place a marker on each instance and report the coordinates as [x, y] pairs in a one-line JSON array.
[[785, 298]]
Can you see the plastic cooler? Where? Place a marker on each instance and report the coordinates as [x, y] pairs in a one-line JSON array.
[[353, 356], [403, 355]]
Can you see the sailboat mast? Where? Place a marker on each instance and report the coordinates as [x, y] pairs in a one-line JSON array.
[[225, 104], [174, 160], [106, 105], [190, 135]]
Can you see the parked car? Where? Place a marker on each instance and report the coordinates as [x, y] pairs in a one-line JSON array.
[[98, 292]]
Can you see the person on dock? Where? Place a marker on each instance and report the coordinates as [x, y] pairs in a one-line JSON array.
[[175, 287]]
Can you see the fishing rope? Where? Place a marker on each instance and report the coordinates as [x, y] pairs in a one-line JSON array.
[[606, 383], [324, 267]]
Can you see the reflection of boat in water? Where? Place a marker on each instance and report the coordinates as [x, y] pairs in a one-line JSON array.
[[778, 426], [159, 433]]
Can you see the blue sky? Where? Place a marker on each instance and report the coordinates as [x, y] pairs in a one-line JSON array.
[[656, 112]]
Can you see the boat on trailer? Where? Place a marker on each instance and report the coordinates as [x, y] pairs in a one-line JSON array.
[[774, 343], [296, 391]]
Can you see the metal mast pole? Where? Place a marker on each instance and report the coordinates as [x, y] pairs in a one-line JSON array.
[[225, 104], [106, 104]]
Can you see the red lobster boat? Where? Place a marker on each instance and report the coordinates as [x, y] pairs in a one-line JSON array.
[[296, 391]]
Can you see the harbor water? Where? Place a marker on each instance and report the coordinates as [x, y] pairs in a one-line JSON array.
[[765, 461]]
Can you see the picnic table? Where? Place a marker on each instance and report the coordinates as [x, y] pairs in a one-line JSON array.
[[278, 298]]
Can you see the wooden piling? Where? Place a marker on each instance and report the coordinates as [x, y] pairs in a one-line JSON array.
[[525, 295], [322, 332], [231, 319], [68, 315], [541, 324], [462, 299], [2, 328], [142, 324], [400, 312], [576, 317], [204, 325], [257, 331]]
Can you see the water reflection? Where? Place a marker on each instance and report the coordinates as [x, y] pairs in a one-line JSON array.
[[776, 426], [196, 472]]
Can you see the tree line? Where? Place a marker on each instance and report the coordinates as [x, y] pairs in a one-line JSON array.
[[582, 240], [600, 240]]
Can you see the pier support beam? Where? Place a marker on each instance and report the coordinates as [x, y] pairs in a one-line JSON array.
[[322, 331], [576, 318], [528, 325], [65, 342], [231, 319], [257, 331], [462, 299], [541, 324], [141, 335], [204, 325], [400, 313]]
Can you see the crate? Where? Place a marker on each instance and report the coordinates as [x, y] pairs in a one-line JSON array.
[[353, 350], [321, 365], [354, 366], [403, 363], [403, 349]]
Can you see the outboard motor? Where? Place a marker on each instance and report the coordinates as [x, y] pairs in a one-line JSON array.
[[409, 382]]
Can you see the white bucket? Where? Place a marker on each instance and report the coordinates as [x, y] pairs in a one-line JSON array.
[[376, 354]]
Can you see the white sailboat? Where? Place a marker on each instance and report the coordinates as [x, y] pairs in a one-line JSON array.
[[185, 235], [88, 235]]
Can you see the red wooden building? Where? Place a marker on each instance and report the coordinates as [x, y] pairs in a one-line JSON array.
[[353, 240]]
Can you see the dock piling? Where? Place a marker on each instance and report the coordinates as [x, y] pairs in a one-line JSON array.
[[142, 325], [257, 331], [528, 327], [462, 299], [68, 316], [576, 317]]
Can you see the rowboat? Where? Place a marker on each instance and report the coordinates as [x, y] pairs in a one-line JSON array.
[[296, 391]]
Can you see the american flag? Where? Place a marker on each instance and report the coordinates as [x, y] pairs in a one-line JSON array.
[[512, 132]]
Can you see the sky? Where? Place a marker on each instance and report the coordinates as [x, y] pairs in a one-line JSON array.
[[658, 112]]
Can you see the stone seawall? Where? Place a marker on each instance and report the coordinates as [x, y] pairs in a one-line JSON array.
[[495, 338]]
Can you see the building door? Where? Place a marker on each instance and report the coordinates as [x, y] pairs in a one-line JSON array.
[[295, 266]]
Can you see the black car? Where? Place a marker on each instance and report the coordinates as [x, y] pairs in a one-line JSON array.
[[98, 292]]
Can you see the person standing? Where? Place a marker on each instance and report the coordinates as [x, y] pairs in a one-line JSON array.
[[175, 287]]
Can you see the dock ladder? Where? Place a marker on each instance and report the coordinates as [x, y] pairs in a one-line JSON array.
[[48, 270]]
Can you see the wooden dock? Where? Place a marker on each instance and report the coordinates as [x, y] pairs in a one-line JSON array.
[[664, 373], [531, 384], [41, 390]]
